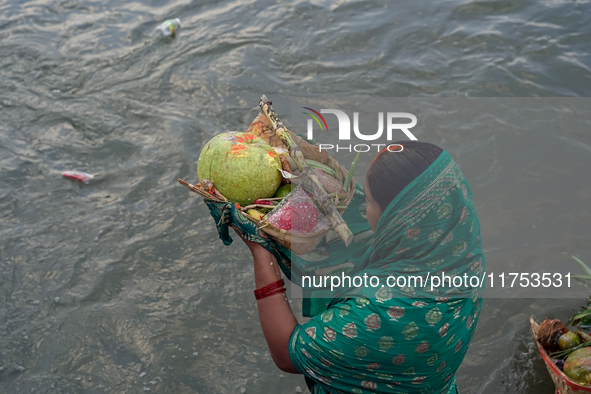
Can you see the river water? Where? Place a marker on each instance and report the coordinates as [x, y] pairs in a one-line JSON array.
[[121, 285]]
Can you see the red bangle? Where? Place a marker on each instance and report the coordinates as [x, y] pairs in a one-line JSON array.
[[270, 289], [272, 292], [270, 286]]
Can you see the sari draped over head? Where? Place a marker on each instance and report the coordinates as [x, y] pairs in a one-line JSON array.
[[411, 338]]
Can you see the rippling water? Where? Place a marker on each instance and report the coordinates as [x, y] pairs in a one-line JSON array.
[[122, 284]]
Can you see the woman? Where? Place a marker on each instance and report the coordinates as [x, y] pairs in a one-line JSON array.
[[409, 338]]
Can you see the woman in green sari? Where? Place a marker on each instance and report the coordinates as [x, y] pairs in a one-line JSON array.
[[406, 338]]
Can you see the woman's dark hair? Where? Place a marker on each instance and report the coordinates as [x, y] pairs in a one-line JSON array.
[[392, 171]]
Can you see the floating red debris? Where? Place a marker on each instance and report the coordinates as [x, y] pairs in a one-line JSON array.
[[78, 176]]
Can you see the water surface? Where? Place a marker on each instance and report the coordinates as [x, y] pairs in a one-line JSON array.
[[122, 284]]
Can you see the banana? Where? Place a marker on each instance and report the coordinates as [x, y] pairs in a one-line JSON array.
[[258, 215]]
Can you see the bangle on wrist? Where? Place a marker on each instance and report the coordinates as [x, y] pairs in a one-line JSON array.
[[270, 289]]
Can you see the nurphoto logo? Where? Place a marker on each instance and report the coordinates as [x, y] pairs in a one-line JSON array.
[[392, 124]]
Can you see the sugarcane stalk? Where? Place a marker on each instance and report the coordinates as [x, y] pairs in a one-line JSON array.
[[314, 186]]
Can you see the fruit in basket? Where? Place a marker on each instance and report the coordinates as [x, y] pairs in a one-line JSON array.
[[549, 332], [296, 214], [242, 167], [584, 336], [569, 340], [304, 217], [283, 191], [258, 215], [282, 218], [297, 218], [578, 365]]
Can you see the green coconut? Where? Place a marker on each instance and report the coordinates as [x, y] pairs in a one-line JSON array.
[[241, 166], [578, 365]]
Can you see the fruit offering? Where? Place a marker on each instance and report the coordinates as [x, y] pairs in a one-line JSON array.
[[297, 213], [283, 191], [578, 365], [242, 167], [569, 340]]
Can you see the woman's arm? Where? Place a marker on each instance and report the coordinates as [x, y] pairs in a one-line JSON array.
[[277, 319]]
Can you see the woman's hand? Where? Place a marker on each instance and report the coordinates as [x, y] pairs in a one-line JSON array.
[[253, 246], [277, 319], [258, 251]]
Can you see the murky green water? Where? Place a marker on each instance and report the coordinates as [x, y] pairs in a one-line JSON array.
[[122, 284]]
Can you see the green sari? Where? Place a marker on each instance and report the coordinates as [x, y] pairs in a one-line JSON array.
[[408, 339]]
